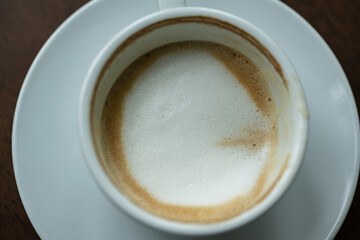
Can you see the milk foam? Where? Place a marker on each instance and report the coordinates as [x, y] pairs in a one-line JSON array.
[[172, 127], [187, 129]]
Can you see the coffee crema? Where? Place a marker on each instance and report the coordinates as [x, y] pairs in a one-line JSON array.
[[189, 132]]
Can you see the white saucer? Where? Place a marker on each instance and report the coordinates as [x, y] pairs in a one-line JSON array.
[[63, 201]]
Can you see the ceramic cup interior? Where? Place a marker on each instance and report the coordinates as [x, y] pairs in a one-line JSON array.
[[198, 24]]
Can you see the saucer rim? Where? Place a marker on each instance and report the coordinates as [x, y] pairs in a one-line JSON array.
[[92, 4]]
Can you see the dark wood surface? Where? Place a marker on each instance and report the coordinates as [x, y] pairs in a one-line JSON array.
[[26, 25]]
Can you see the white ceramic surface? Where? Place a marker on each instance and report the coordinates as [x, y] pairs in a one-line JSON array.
[[291, 108], [63, 201]]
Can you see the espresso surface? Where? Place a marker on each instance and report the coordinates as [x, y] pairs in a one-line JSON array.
[[189, 132]]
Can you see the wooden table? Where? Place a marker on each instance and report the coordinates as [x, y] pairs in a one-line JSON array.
[[26, 25]]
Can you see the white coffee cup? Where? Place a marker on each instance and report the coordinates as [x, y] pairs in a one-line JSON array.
[[178, 23]]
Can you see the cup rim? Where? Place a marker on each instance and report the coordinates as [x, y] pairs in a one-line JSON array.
[[112, 192]]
